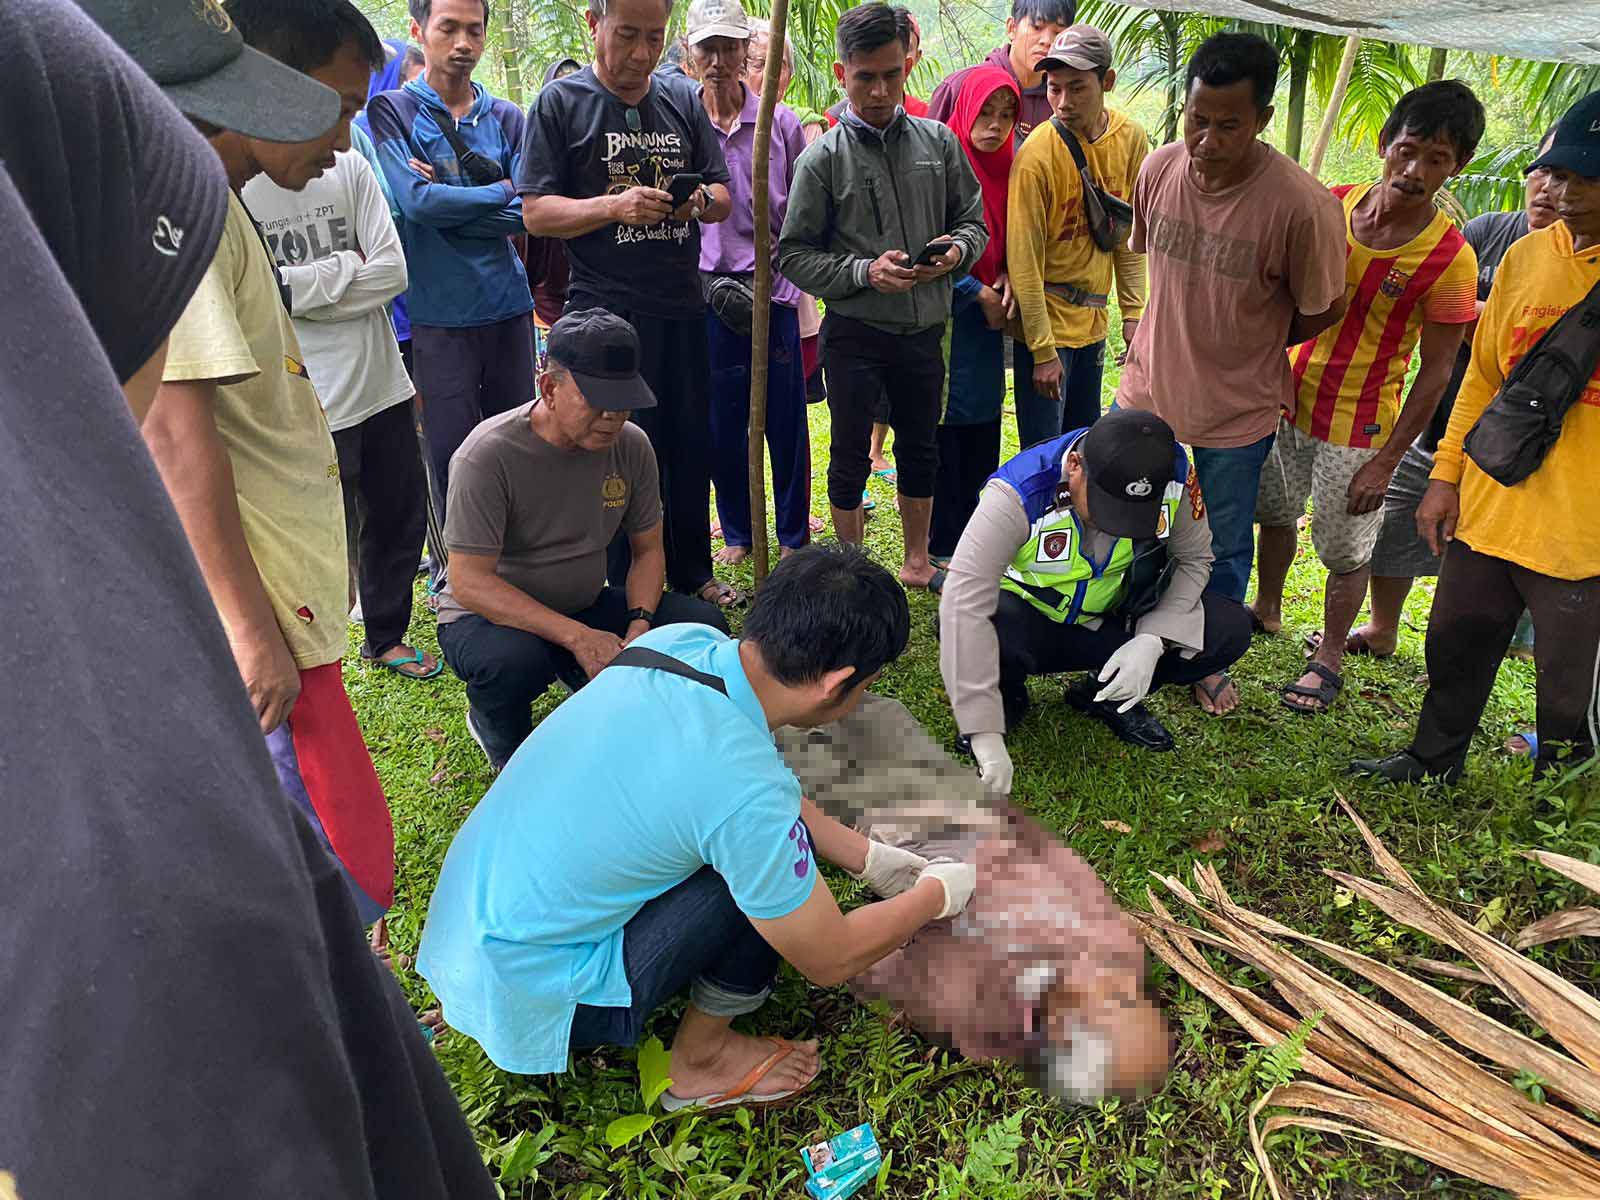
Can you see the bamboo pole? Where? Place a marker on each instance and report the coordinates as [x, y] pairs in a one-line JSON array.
[[761, 322], [1335, 102]]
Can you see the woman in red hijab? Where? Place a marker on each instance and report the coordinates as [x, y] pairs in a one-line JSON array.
[[969, 436]]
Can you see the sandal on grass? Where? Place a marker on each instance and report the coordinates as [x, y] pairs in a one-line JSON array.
[[1214, 693], [1530, 744], [1325, 693], [415, 659], [723, 595], [1356, 643], [744, 1092]]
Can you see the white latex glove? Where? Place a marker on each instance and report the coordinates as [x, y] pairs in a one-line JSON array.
[[994, 761], [1128, 672], [958, 880], [890, 870]]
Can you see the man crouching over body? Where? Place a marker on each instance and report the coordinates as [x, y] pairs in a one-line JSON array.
[[648, 839]]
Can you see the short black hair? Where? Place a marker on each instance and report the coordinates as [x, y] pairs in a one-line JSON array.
[[1444, 110], [1224, 59], [421, 10], [1045, 12], [869, 27], [306, 34], [412, 57], [825, 607]]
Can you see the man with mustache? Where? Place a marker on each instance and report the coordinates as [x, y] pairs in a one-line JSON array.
[[1411, 278]]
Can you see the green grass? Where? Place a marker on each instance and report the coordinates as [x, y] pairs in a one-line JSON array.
[[1262, 779]]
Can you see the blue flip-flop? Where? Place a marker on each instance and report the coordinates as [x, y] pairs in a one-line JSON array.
[[1532, 738], [416, 658]]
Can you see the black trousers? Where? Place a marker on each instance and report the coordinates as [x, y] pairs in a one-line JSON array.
[[968, 455], [507, 669], [385, 519], [1475, 611], [437, 556], [675, 360], [1032, 644], [864, 364]]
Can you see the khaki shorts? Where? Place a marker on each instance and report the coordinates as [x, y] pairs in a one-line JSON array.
[[1300, 467]]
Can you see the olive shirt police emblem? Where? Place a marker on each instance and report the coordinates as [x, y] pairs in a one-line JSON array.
[[614, 491]]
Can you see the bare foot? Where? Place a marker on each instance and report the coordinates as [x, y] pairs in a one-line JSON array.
[[917, 577], [729, 555], [1271, 620], [1369, 639], [816, 524], [434, 1020], [403, 660], [882, 465], [1217, 695], [785, 551], [715, 1069]]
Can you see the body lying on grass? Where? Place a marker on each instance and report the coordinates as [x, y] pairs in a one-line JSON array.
[[1041, 968], [647, 839]]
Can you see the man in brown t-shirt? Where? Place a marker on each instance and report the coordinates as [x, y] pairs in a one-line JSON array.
[[1246, 258], [536, 495]]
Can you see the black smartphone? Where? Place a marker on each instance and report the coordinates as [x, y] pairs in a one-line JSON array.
[[682, 188], [932, 251]]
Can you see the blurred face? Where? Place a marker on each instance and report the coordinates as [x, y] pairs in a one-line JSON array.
[[995, 120], [1030, 41], [756, 66], [293, 165], [875, 82], [1577, 202], [1078, 98], [567, 68], [409, 70], [1415, 168], [579, 422], [452, 41], [1540, 208], [628, 42], [720, 62], [1220, 126]]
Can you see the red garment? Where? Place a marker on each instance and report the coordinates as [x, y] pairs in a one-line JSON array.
[[993, 169]]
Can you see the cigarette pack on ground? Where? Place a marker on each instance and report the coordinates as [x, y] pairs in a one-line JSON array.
[[841, 1165]]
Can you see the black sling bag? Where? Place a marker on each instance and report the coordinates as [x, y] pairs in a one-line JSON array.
[[1110, 219]]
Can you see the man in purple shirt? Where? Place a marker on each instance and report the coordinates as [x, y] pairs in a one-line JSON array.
[[719, 40]]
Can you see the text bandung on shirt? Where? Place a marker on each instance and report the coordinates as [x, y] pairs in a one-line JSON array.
[[624, 158]]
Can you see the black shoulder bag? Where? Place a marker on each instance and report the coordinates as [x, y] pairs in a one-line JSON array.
[[1514, 433], [480, 169], [1110, 219]]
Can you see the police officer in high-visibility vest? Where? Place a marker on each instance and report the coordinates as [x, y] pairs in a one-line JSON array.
[[1088, 552]]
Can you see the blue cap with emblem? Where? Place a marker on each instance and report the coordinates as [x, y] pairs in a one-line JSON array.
[[1128, 457], [601, 352]]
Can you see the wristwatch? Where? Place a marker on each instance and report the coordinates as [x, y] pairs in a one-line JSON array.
[[641, 614]]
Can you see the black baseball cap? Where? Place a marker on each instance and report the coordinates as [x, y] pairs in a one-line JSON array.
[[601, 351], [193, 50], [1576, 144], [1128, 456]]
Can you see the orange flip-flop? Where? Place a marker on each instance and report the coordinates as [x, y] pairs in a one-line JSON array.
[[743, 1092]]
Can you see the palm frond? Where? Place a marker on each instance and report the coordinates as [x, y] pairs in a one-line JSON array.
[[1494, 182]]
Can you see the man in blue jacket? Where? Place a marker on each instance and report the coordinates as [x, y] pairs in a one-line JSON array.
[[448, 150]]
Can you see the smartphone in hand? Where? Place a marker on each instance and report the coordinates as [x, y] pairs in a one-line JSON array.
[[932, 251], [682, 188]]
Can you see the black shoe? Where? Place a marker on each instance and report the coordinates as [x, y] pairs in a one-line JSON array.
[[1404, 767], [1138, 726]]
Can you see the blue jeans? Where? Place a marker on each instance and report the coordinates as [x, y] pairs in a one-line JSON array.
[[1229, 481], [1039, 418], [693, 936]]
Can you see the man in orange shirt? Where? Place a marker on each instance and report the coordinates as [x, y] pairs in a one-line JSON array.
[[1532, 544], [1410, 276]]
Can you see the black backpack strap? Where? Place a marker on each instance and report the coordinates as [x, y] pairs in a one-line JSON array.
[[654, 660], [1071, 141]]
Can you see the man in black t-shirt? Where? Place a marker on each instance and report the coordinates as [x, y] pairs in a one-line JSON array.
[[598, 156], [1401, 555]]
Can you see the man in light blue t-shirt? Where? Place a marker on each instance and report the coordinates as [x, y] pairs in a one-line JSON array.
[[648, 838]]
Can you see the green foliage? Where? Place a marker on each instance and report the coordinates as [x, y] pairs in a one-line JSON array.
[[1281, 1063]]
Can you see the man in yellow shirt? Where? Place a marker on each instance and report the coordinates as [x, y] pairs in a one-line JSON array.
[[1532, 544], [1059, 277]]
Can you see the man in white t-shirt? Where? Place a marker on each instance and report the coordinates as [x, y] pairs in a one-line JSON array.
[[340, 258]]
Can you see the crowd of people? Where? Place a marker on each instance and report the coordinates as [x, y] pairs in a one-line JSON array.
[[356, 305]]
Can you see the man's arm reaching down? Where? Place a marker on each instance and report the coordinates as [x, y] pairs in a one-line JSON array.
[[181, 432]]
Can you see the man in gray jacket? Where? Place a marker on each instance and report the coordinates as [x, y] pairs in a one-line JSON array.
[[868, 200], [1087, 552]]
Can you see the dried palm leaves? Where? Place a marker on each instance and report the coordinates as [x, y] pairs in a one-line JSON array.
[[1384, 1078]]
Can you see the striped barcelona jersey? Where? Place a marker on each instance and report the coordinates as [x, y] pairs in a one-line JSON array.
[[1348, 381]]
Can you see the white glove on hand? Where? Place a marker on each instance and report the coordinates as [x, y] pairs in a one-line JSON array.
[[958, 880], [1128, 672], [994, 761], [890, 870]]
